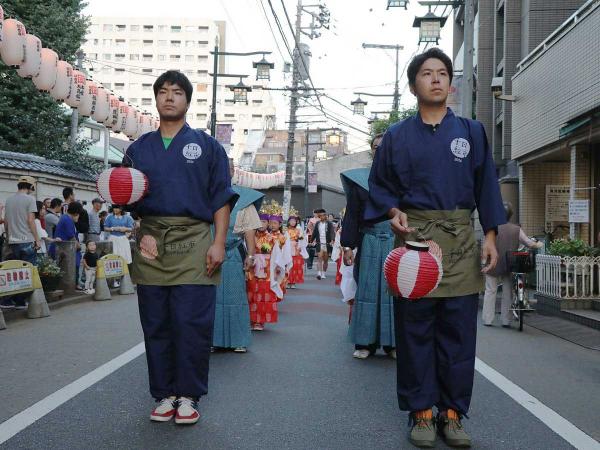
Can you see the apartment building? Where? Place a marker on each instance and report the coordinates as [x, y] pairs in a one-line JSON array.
[[127, 54]]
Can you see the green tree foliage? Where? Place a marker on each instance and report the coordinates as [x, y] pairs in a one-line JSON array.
[[381, 125], [31, 121]]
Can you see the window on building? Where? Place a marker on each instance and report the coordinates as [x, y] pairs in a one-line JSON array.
[[119, 71], [121, 28], [257, 116], [96, 41], [202, 73], [146, 87], [229, 101], [148, 28], [94, 28], [107, 27], [146, 57], [189, 72], [119, 86], [189, 58], [93, 55], [148, 42], [174, 57], [107, 42], [201, 101], [135, 28], [203, 44], [162, 28], [94, 134], [257, 102], [162, 57], [133, 100], [162, 43], [133, 57], [175, 29], [120, 42], [190, 43], [119, 56], [146, 70], [175, 43], [134, 42], [106, 56], [202, 58], [146, 101], [202, 29], [107, 85], [200, 116], [229, 116]]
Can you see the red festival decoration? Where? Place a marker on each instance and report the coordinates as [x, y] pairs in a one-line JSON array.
[[122, 185], [412, 271]]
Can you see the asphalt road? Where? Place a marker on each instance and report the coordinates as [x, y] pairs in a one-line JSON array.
[[297, 388]]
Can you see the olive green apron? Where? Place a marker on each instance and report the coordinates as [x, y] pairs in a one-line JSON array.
[[453, 232], [171, 251]]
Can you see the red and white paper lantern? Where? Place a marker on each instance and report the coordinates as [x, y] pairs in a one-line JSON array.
[[30, 66], [46, 78], [122, 185], [76, 90], [89, 99], [12, 51], [64, 76], [412, 272], [122, 117], [102, 105], [113, 114]]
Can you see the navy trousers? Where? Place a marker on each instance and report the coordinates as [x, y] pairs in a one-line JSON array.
[[178, 326], [435, 346]]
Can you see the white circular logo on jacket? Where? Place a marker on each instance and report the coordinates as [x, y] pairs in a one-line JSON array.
[[460, 147], [192, 151]]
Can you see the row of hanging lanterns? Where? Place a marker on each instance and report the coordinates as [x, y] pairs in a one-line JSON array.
[[24, 52]]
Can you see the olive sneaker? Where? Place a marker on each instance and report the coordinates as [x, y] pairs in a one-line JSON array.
[[450, 428], [422, 433]]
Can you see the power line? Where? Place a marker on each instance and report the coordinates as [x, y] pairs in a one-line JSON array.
[[262, 5]]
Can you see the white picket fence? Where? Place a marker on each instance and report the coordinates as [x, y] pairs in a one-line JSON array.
[[568, 277]]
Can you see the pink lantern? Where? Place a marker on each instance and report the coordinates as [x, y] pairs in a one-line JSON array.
[[102, 110], [113, 114], [89, 99], [76, 89], [13, 43], [435, 249], [143, 125], [412, 272], [1, 21], [122, 185], [46, 78], [131, 122], [33, 57], [64, 76]]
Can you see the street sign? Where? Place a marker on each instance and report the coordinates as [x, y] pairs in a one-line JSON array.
[[579, 211]]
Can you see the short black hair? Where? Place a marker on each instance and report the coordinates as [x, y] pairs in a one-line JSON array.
[[377, 136], [419, 60], [55, 202], [174, 77], [103, 214], [24, 185], [67, 192], [75, 208], [40, 206], [320, 211]]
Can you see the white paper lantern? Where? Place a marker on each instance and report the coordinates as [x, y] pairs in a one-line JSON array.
[[46, 78], [13, 42], [30, 66], [76, 89], [131, 122], [113, 114], [1, 23], [122, 117], [64, 76], [102, 105], [89, 99], [145, 124]]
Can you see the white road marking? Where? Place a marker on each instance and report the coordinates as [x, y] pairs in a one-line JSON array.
[[19, 422], [549, 417]]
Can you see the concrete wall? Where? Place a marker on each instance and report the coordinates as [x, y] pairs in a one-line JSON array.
[[328, 171], [557, 85]]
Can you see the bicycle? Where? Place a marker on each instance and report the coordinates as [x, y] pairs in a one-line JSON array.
[[520, 263]]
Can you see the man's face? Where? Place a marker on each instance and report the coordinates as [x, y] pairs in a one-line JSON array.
[[376, 144], [97, 206], [274, 225], [47, 204], [323, 217], [171, 102], [432, 83]]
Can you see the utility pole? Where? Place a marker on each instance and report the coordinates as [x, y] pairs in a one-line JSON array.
[[289, 161], [74, 111], [469, 31], [213, 112], [396, 104]]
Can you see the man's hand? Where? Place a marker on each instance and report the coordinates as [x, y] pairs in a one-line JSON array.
[[489, 253], [214, 258], [399, 223], [249, 263]]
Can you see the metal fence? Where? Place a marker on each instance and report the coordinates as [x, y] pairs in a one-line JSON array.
[[568, 277]]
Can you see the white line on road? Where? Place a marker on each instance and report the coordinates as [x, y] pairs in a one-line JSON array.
[[549, 417], [19, 422]]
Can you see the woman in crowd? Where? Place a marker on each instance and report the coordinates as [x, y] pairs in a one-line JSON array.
[[118, 226], [296, 239]]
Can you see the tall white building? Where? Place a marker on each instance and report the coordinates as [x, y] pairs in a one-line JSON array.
[[127, 54]]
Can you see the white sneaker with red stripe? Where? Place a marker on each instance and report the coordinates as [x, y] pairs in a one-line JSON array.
[[165, 410], [187, 411]]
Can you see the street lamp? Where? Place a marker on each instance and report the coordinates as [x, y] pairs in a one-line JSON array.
[[240, 92], [397, 4], [359, 106], [263, 69], [430, 27]]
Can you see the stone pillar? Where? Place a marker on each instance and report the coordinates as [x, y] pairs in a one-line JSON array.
[[66, 260]]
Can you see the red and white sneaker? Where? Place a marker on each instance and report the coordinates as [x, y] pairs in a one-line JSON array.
[[165, 410], [187, 411]]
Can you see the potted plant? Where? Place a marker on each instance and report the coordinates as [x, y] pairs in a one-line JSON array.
[[50, 273]]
